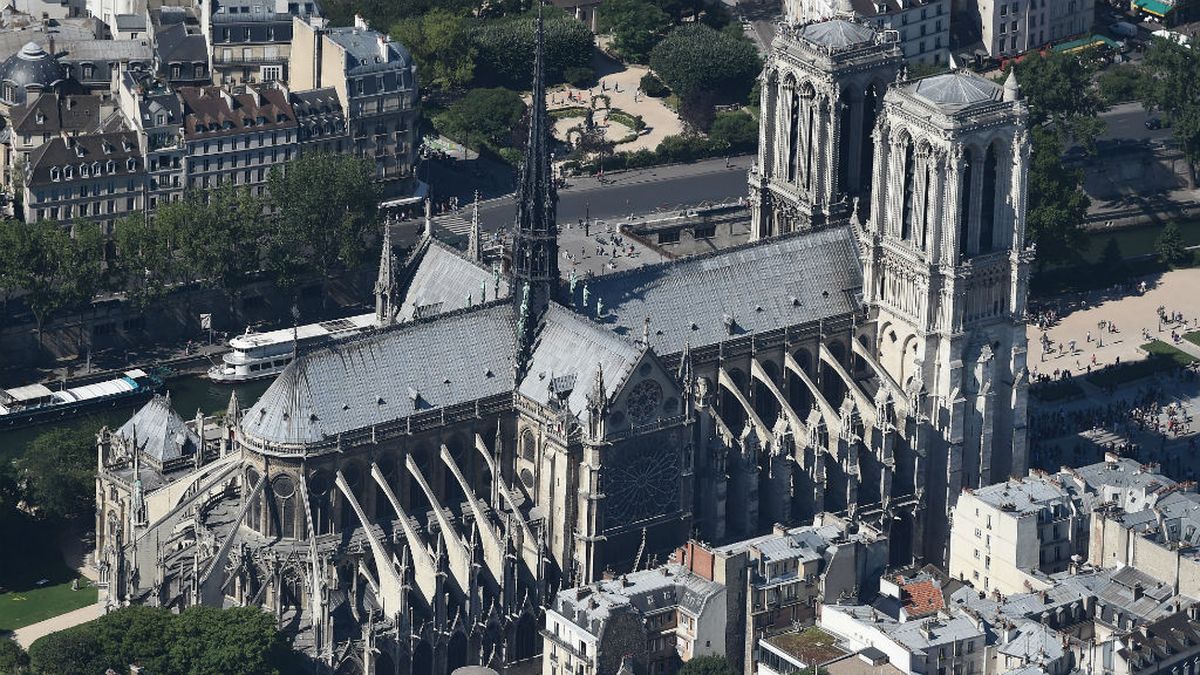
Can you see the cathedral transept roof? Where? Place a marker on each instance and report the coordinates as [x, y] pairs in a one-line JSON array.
[[443, 281]]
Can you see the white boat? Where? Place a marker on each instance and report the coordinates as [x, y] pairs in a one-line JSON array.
[[257, 355]]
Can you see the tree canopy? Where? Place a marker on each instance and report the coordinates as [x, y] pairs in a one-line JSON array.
[[504, 48], [1172, 87], [325, 231], [696, 61], [1059, 92], [636, 26], [707, 665], [198, 641], [59, 471], [57, 266], [441, 43], [484, 117]]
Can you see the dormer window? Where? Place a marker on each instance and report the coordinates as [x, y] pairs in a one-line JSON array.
[[132, 164], [55, 174], [84, 172], [127, 145], [88, 71], [40, 117], [79, 151], [95, 168], [68, 173], [110, 166], [162, 119], [107, 147]]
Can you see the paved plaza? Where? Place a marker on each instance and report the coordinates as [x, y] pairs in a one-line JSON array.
[[1131, 314], [1148, 419]]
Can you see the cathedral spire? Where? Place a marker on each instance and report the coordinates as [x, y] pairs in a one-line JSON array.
[[535, 242], [473, 251], [385, 283]]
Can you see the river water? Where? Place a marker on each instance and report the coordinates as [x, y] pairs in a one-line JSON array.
[[188, 393]]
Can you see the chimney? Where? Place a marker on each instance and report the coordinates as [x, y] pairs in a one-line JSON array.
[[1138, 591], [360, 23], [382, 40], [1193, 612]]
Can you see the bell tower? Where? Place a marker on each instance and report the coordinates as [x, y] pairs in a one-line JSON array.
[[821, 90], [946, 274]]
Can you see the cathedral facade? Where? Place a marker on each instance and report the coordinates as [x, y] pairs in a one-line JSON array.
[[408, 500]]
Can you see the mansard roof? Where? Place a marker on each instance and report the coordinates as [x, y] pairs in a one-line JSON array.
[[754, 288], [837, 33], [443, 279], [570, 349], [386, 376]]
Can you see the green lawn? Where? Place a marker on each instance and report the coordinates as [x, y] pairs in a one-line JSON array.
[[1192, 337], [1161, 357], [21, 608]]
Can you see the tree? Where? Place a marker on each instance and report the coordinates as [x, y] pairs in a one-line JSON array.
[[440, 41], [707, 665], [504, 48], [63, 266], [736, 130], [13, 659], [1120, 84], [484, 117], [1060, 94], [323, 231], [699, 63], [16, 249], [148, 258], [198, 641], [1169, 246], [222, 237], [1057, 204], [1172, 87], [636, 25], [59, 470], [652, 86]]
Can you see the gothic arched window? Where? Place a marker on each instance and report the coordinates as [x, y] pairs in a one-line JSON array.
[[987, 201], [964, 218], [926, 207], [808, 146], [909, 206], [844, 131], [284, 489]]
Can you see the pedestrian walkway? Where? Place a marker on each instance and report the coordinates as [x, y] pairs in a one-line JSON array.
[[27, 635]]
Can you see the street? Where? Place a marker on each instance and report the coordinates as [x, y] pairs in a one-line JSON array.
[[1128, 121]]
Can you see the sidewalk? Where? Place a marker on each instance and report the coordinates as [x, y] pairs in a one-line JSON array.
[[27, 635]]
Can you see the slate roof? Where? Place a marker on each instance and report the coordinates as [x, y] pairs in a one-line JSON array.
[[442, 281], [956, 90], [590, 607], [87, 149], [175, 45], [161, 433], [211, 112], [357, 383], [363, 54], [573, 347], [837, 33], [58, 113], [761, 286]]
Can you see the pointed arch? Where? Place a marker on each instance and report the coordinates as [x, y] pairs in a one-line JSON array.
[[907, 215], [988, 199], [964, 204]]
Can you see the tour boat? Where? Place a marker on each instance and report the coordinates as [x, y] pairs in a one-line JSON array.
[[37, 403], [253, 356]]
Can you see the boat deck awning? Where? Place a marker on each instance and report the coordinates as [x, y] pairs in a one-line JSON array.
[[1155, 7], [29, 392]]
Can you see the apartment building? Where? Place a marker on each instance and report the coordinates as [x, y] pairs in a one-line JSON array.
[[922, 28], [250, 40], [96, 176], [236, 138], [1012, 27], [375, 79], [650, 621], [153, 110], [777, 581], [45, 116]]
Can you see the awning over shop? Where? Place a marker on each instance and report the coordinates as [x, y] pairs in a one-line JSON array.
[[1085, 43], [1156, 7]]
